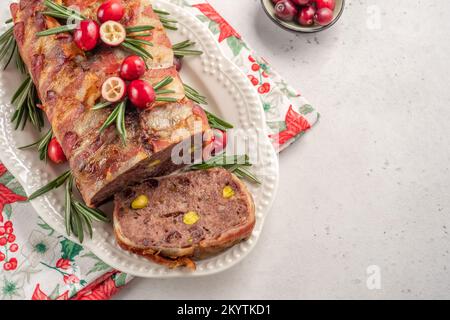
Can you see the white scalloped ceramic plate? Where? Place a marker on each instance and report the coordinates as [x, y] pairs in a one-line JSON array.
[[230, 95]]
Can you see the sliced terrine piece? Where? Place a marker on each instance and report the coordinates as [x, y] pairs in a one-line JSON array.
[[186, 216]]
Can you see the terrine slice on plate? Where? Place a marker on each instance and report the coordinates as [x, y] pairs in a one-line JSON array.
[[173, 220]]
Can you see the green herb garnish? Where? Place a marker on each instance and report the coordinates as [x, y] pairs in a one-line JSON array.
[[117, 117], [61, 12], [236, 164], [180, 49], [61, 29], [194, 95], [217, 123], [25, 99], [9, 50], [42, 145], [78, 217]]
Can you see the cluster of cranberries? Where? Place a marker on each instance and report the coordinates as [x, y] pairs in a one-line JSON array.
[[87, 34], [111, 32], [140, 92], [7, 244], [306, 12]]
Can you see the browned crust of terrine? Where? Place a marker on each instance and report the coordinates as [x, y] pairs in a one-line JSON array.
[[183, 257], [68, 82]]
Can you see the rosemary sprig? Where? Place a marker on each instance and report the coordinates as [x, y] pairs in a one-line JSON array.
[[159, 90], [10, 20], [77, 216], [137, 49], [194, 95], [25, 100], [61, 29], [214, 121], [167, 23], [217, 123], [164, 82], [136, 45], [20, 65], [182, 45], [180, 49], [102, 105], [80, 217], [184, 53], [110, 120], [237, 164], [244, 173], [120, 121], [55, 184], [55, 14], [68, 204], [163, 16], [138, 42], [165, 99], [60, 12], [42, 145], [223, 161], [6, 35], [167, 20], [160, 12], [162, 91], [131, 30], [9, 50], [63, 11], [117, 117]]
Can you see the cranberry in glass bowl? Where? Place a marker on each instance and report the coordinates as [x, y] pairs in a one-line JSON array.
[[312, 15]]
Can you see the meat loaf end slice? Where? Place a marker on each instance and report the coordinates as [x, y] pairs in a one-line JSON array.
[[189, 216]]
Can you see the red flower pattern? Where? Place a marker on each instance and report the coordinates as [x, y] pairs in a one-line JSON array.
[[2, 169], [226, 30], [70, 279], [38, 294], [102, 289], [7, 197], [63, 264]]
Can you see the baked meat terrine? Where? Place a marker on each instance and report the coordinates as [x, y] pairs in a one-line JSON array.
[[175, 219], [68, 82]]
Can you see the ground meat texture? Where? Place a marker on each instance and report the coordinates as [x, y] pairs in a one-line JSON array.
[[160, 227]]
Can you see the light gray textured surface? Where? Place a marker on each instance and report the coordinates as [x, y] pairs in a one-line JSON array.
[[370, 185]]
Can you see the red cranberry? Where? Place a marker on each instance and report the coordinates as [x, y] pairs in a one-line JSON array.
[[285, 10], [330, 4], [306, 16], [324, 16]]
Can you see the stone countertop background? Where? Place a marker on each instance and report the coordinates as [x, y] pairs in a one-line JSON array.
[[364, 197]]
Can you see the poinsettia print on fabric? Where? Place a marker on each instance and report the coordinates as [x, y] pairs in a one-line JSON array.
[[8, 245], [2, 169], [104, 288], [38, 294], [295, 125], [226, 30], [7, 196]]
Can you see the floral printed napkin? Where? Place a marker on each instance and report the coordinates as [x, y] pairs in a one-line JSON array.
[[37, 263]]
